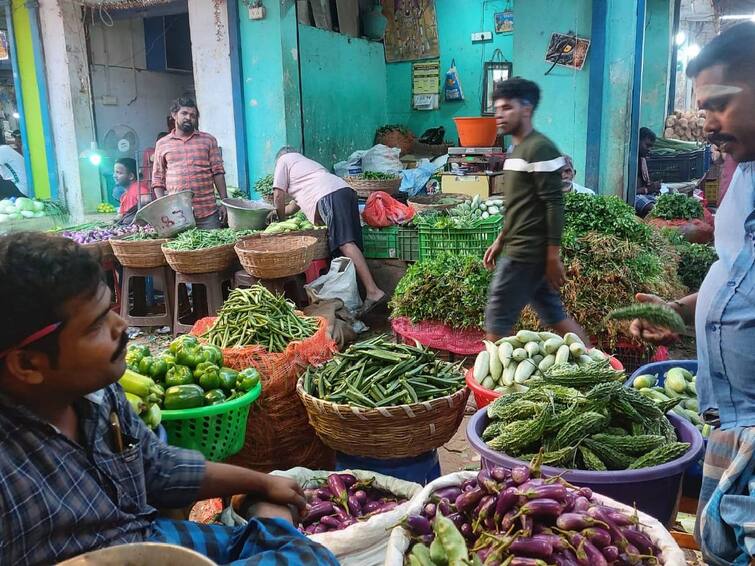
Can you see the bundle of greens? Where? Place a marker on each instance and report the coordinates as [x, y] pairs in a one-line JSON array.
[[264, 186], [451, 289], [676, 206], [603, 214], [196, 239], [694, 262]]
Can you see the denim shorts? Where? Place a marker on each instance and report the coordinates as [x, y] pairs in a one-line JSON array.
[[515, 285]]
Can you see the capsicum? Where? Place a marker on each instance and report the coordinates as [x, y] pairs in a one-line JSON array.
[[207, 375], [248, 379], [134, 355], [178, 375], [212, 354], [228, 379], [145, 364], [190, 356], [158, 369], [184, 397], [186, 340], [214, 397]]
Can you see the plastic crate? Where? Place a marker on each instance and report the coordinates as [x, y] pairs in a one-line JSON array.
[[380, 243], [408, 243], [217, 431], [473, 241], [677, 168]]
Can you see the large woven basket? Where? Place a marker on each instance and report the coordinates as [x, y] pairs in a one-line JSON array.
[[273, 258], [319, 251], [205, 260], [396, 138], [435, 202], [365, 187], [403, 431], [139, 253]]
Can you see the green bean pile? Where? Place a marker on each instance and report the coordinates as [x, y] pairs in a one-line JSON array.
[[195, 239], [255, 316], [379, 373]]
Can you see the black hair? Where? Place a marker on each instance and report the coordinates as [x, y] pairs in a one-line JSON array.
[[283, 151], [519, 88], [734, 48], [647, 134], [129, 163], [183, 102], [39, 273]]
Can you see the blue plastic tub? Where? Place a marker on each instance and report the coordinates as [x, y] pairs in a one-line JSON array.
[[420, 469], [693, 477], [654, 490]]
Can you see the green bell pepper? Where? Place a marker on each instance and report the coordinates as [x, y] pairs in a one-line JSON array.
[[145, 364], [212, 354], [248, 379], [228, 379], [187, 340], [178, 375], [201, 368], [158, 369], [210, 378], [214, 397], [183, 397], [190, 356], [134, 355]]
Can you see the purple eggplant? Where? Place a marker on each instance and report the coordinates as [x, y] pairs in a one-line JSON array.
[[310, 529], [347, 479], [486, 482], [556, 541], [332, 522], [372, 507], [429, 510], [520, 474], [320, 528], [638, 539], [341, 515], [577, 521], [457, 519], [467, 485], [592, 555], [541, 508], [524, 561], [605, 514], [361, 496], [444, 507], [318, 511], [599, 537], [585, 492], [581, 505], [336, 485], [532, 547], [529, 484], [417, 525], [610, 553], [569, 501], [554, 491], [500, 474], [467, 500], [506, 501], [450, 493], [485, 511], [354, 507], [348, 522], [528, 525], [324, 494], [508, 520], [466, 530], [565, 558]]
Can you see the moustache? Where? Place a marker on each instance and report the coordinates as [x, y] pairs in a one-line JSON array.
[[121, 347], [718, 139]]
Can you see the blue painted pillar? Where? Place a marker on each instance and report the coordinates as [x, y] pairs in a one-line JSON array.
[[659, 42], [271, 84]]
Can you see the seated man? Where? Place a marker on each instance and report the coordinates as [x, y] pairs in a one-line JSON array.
[[567, 177], [78, 469], [647, 190]]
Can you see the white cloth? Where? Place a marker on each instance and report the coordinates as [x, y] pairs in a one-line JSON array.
[[577, 188], [305, 181], [12, 168]]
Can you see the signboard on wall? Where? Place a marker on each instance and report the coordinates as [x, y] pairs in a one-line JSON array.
[[426, 85]]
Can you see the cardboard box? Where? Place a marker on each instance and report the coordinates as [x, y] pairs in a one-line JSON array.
[[483, 185]]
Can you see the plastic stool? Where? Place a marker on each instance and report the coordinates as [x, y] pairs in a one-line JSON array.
[[163, 276], [317, 268], [213, 285], [290, 287], [109, 266], [420, 469]]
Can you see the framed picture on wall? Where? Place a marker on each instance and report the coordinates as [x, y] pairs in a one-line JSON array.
[[504, 21], [493, 72], [567, 50]]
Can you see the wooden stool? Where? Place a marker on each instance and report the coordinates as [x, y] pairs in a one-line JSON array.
[[212, 287], [163, 277], [291, 287]]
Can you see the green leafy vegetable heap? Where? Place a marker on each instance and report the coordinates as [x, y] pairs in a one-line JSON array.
[[450, 288], [264, 186], [376, 176], [603, 214], [694, 263], [674, 206], [196, 239]]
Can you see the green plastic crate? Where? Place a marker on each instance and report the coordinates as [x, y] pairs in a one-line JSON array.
[[473, 241], [408, 243], [380, 243]]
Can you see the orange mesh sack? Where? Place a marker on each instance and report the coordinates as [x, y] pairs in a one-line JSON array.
[[278, 434]]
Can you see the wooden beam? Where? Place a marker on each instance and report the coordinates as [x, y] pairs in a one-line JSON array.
[[348, 17]]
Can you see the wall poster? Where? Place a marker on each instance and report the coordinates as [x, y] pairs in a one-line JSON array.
[[412, 30], [567, 50]]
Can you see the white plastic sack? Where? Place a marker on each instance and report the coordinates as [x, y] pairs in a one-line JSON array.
[[398, 543], [340, 282], [364, 543], [351, 166], [382, 159]]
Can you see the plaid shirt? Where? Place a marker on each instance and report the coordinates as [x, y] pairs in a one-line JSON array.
[[189, 165], [59, 499]]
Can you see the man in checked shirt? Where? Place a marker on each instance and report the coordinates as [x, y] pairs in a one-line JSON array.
[[79, 470], [189, 160]]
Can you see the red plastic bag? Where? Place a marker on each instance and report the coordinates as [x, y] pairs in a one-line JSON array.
[[382, 210]]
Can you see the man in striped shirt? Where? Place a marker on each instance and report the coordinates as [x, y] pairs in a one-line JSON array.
[[190, 160]]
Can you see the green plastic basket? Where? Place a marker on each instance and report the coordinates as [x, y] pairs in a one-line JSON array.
[[217, 431], [473, 241], [408, 243], [380, 243]]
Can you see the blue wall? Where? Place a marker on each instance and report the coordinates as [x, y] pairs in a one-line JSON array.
[[457, 20], [343, 90], [655, 68], [562, 114]]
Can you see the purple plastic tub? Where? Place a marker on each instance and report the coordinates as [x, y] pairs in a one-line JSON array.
[[654, 490]]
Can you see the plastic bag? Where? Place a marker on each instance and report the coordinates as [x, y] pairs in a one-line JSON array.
[[414, 180], [351, 166], [452, 86], [383, 210], [382, 159], [340, 282], [398, 543]]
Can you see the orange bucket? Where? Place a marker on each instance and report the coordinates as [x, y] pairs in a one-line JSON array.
[[476, 132]]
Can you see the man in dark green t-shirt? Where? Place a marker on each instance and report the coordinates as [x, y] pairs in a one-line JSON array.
[[530, 269]]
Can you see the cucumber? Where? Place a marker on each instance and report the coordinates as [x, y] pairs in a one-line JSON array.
[[548, 335], [494, 362], [511, 340], [577, 349], [505, 351], [584, 360], [519, 355], [537, 358], [524, 371], [646, 380], [488, 383], [551, 345], [547, 362], [562, 355], [571, 338], [532, 349], [525, 336], [597, 355], [481, 366], [507, 378], [675, 380]]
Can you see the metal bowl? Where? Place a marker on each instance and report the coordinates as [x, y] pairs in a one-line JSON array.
[[169, 215], [140, 554], [247, 214]]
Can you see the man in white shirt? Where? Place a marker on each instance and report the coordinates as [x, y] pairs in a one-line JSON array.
[[567, 176]]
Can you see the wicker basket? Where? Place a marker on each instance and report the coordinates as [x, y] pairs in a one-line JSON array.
[[273, 258], [395, 138], [320, 250], [102, 250], [205, 260], [402, 431], [139, 253], [423, 203], [365, 187]]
